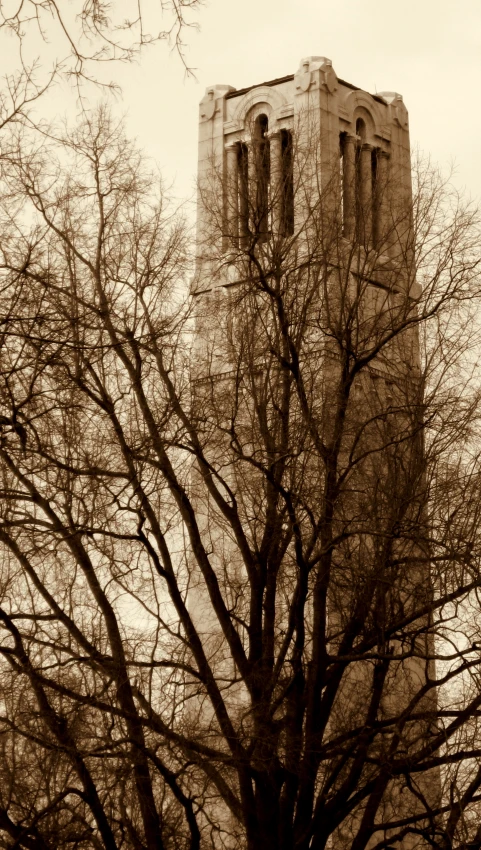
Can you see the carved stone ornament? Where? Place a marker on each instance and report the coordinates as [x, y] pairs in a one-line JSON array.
[[307, 74], [208, 106], [396, 105], [304, 80], [400, 113], [330, 78]]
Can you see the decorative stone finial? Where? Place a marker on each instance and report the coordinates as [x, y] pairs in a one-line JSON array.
[[305, 75], [396, 106], [208, 104]]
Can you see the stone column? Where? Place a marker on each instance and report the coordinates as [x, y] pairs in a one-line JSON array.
[[232, 194], [251, 193], [251, 171], [276, 180], [349, 187], [365, 192]]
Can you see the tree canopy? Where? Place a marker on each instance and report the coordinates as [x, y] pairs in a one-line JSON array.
[[239, 533]]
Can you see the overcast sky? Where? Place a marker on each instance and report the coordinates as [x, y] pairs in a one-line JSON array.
[[427, 50]]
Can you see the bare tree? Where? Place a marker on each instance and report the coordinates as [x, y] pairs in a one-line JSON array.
[[92, 31], [47, 42], [240, 549]]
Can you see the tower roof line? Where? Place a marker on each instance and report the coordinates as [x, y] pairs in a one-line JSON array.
[[287, 79]]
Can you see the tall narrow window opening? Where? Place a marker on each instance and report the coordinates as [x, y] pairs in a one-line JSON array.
[[361, 137], [243, 178], [361, 130], [262, 172], [342, 182], [287, 212], [375, 196]]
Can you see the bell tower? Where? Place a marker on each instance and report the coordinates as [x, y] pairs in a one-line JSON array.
[[307, 387], [249, 135]]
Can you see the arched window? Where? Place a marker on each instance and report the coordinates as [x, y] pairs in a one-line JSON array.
[[262, 174], [361, 211], [359, 180], [259, 198]]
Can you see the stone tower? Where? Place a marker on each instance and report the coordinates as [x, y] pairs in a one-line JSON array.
[[364, 132], [304, 232]]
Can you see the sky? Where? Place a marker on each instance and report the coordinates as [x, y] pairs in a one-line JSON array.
[[427, 50]]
